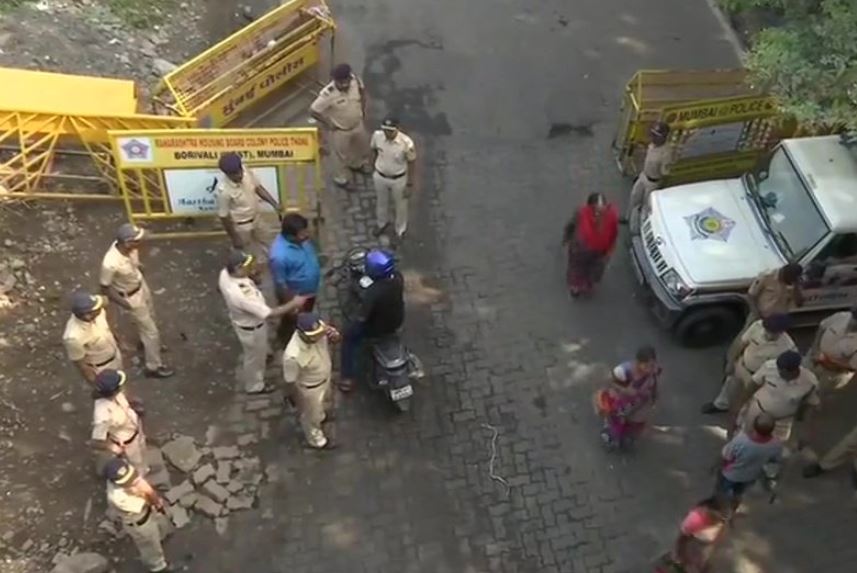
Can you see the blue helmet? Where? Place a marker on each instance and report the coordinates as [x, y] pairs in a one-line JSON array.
[[379, 264]]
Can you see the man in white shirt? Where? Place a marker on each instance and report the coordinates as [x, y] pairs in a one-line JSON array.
[[395, 157], [88, 340], [249, 314], [122, 281]]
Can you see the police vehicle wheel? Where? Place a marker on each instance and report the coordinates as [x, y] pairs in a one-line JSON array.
[[707, 326]]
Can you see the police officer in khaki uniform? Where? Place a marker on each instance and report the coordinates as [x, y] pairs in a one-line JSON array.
[[88, 340], [238, 198], [833, 355], [765, 340], [123, 283], [844, 451], [307, 370], [782, 388], [341, 108], [249, 314], [116, 425], [142, 511], [656, 166], [771, 292], [395, 158]]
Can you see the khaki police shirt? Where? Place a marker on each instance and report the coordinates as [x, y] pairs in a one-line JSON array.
[[113, 419], [244, 300], [305, 363], [837, 341], [658, 161], [121, 272], [90, 341], [771, 295], [123, 500], [238, 200], [759, 348], [343, 109], [393, 156], [782, 398]]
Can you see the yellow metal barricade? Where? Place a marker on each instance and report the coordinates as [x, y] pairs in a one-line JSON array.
[[690, 101], [51, 125], [226, 79], [172, 176]]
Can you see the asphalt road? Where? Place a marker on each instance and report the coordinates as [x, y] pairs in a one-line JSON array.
[[480, 84]]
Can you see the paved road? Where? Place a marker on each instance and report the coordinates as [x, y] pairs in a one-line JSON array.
[[480, 84]]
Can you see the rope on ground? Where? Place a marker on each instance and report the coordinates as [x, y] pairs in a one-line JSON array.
[[493, 449]]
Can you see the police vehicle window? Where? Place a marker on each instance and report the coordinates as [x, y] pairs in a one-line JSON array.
[[789, 209]]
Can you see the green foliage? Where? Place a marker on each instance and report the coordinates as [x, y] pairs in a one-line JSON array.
[[810, 62]]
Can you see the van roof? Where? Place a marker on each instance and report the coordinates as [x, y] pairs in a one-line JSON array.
[[830, 168]]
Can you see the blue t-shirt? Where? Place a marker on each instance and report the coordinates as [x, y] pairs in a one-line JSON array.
[[295, 266]]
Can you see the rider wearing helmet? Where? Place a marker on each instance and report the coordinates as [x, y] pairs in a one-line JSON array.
[[381, 312]]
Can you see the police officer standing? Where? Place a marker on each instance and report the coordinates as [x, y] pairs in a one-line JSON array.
[[395, 157], [122, 281], [833, 355], [765, 340], [141, 509], [116, 424], [238, 198], [249, 314], [656, 166], [306, 370], [87, 338], [341, 108]]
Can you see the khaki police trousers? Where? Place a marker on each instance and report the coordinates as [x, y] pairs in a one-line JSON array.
[[638, 203], [143, 315], [843, 451], [254, 352], [135, 453], [313, 406], [255, 239], [738, 380], [147, 538], [397, 189], [351, 148]]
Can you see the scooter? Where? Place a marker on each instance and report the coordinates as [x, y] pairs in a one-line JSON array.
[[393, 365]]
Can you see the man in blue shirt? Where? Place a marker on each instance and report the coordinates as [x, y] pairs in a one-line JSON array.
[[294, 269]]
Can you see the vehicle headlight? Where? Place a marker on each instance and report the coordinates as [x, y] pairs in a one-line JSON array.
[[674, 285]]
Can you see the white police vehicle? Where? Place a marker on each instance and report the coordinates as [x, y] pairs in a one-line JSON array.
[[702, 244]]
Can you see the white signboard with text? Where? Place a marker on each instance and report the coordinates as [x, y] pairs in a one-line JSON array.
[[194, 191]]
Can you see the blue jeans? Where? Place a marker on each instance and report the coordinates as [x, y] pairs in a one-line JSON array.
[[352, 342]]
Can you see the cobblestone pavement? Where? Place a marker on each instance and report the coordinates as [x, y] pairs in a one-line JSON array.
[[480, 84]]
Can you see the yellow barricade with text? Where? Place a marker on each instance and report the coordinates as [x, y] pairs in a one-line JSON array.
[[225, 80], [720, 126], [171, 179]]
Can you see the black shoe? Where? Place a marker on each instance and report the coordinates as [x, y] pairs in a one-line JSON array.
[[812, 470], [710, 408], [266, 389], [853, 477], [623, 220], [162, 372]]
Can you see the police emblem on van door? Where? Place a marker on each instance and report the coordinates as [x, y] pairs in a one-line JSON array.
[[709, 224]]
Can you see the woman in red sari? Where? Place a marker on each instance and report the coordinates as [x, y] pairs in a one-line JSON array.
[[590, 237]]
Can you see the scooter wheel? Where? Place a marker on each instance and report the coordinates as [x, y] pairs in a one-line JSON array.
[[403, 405]]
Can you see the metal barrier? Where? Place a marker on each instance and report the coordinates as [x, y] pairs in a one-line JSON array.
[[689, 101], [226, 79], [49, 118], [172, 176]]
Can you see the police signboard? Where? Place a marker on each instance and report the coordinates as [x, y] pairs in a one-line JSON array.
[[203, 147], [168, 174], [728, 110]]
